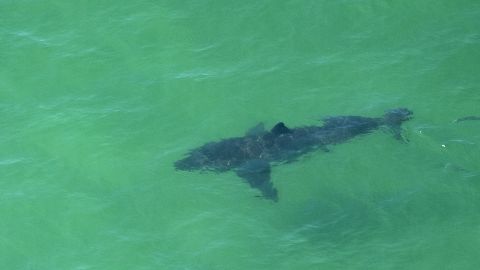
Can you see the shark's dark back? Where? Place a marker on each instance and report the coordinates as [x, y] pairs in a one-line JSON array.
[[341, 128]]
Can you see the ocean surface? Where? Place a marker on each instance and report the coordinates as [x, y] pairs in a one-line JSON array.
[[98, 99]]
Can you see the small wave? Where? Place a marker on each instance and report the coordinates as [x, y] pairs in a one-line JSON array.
[[11, 161]]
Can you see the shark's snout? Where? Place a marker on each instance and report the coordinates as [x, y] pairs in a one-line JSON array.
[[192, 162], [182, 165]]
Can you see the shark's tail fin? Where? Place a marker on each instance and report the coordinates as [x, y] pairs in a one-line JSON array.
[[394, 118]]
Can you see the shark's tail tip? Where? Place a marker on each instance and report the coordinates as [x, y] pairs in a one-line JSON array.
[[397, 115]]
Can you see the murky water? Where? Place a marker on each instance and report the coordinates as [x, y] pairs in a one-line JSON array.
[[97, 100]]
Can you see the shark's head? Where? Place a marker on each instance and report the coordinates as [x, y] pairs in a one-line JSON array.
[[397, 116]]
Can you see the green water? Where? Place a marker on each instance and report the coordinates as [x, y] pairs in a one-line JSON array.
[[99, 98]]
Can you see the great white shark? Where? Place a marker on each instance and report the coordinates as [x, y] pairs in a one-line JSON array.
[[252, 155]]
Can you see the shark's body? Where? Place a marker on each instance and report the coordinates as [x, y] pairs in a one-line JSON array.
[[250, 156]]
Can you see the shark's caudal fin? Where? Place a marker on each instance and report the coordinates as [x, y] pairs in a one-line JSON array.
[[257, 173], [393, 119]]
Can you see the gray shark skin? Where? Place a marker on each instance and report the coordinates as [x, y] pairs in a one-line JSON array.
[[251, 156]]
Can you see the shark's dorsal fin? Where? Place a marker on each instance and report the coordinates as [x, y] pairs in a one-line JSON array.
[[256, 130], [280, 128]]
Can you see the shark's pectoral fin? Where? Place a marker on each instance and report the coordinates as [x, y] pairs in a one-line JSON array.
[[257, 174]]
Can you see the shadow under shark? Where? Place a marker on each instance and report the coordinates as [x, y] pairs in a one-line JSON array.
[[251, 156]]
